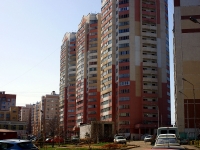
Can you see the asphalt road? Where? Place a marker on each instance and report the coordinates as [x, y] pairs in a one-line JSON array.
[[147, 146]]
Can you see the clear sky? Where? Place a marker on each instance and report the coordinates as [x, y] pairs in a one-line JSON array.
[[31, 34]]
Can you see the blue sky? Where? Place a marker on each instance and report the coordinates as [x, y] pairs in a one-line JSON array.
[[31, 34]]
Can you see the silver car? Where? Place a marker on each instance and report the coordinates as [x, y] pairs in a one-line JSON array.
[[167, 141], [120, 139]]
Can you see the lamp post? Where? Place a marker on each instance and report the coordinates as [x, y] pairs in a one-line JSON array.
[[187, 110], [194, 20], [194, 106]]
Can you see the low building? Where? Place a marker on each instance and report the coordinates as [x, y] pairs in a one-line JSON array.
[[17, 126], [98, 129], [7, 134]]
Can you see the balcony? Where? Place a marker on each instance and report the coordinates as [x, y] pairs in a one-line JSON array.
[[149, 34], [149, 49], [149, 42], [149, 79], [148, 26], [149, 64], [150, 103], [148, 6], [149, 56], [150, 118], [151, 111], [150, 87], [150, 72], [149, 13]]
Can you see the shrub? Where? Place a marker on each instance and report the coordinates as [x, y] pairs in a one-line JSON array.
[[112, 146]]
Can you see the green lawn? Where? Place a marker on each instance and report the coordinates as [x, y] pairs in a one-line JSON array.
[[72, 147]]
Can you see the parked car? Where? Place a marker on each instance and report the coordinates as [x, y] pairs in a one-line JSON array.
[[184, 141], [57, 140], [17, 144], [75, 140], [167, 141], [143, 136], [168, 147], [148, 138], [48, 140], [120, 139]]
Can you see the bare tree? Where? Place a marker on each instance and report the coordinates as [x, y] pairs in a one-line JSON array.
[[88, 139], [96, 130], [53, 127]]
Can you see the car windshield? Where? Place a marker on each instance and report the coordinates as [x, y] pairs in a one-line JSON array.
[[25, 145], [166, 141], [120, 137]]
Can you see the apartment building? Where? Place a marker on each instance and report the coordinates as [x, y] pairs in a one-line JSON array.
[[67, 102], [25, 115], [49, 109], [43, 111], [10, 119], [122, 67], [136, 55], [7, 100], [35, 119], [186, 66], [88, 69]]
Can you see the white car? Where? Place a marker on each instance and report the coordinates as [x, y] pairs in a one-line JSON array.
[[148, 138], [119, 139], [167, 139]]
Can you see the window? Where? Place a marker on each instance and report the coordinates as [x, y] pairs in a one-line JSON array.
[[123, 45], [123, 8], [124, 83], [123, 23], [124, 60], [124, 30], [124, 91], [123, 38], [124, 106], [124, 99], [21, 127], [124, 114], [123, 16], [124, 75], [124, 68], [123, 52]]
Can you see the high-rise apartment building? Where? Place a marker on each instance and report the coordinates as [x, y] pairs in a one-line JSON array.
[[187, 66], [88, 67], [67, 102], [43, 111], [136, 55], [122, 67], [49, 111], [25, 115]]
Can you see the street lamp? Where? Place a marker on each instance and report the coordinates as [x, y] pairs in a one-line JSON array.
[[194, 20], [194, 106], [187, 110]]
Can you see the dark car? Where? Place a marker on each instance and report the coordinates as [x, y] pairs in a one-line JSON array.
[[75, 140], [17, 144]]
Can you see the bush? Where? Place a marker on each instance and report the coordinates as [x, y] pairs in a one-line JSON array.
[[112, 146]]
